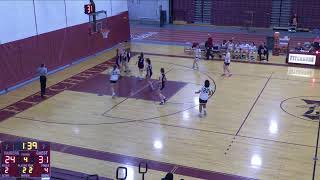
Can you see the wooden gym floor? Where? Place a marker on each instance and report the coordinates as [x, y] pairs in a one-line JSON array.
[[261, 121]]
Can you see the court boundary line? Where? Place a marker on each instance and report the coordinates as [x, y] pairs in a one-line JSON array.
[[253, 105], [229, 134], [315, 158], [171, 125]]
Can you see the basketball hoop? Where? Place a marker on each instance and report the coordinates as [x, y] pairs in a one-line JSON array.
[[105, 33]]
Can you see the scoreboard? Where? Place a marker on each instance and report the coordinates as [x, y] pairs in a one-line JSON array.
[[25, 159]]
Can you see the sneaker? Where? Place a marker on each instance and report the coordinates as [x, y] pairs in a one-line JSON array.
[[230, 75], [205, 113], [200, 115], [113, 95], [165, 100], [162, 103]]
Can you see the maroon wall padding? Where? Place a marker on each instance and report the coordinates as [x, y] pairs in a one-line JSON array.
[[20, 59], [308, 12], [233, 12], [183, 10]]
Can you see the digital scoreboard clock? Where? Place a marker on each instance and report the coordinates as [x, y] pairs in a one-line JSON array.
[[89, 8], [25, 159]]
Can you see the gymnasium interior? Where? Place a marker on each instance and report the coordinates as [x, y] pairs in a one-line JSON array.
[[62, 117]]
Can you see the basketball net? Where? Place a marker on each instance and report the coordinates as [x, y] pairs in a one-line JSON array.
[[105, 33]]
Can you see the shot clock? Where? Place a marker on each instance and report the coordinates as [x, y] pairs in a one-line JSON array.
[[25, 159], [89, 8]]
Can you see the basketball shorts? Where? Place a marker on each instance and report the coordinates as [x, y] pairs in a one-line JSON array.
[[203, 101]]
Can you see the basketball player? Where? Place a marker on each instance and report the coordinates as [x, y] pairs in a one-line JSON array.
[[140, 63], [197, 57], [149, 72], [162, 83], [205, 93], [127, 56], [124, 61], [114, 77], [118, 59], [226, 64]]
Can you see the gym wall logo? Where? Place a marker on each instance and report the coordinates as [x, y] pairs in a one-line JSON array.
[[303, 107]]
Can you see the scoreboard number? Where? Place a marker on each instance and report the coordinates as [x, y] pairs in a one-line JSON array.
[[9, 159], [29, 145], [89, 8], [6, 170], [27, 170], [43, 159]]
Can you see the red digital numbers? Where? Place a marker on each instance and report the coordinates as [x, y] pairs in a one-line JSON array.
[[46, 170], [43, 159], [9, 159], [89, 8], [6, 170]]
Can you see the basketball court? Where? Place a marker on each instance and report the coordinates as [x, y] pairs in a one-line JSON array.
[[257, 126], [263, 121]]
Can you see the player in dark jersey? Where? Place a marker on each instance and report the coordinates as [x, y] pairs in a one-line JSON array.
[[128, 54], [126, 60], [205, 93], [149, 72], [123, 60], [162, 83], [118, 59], [140, 63]]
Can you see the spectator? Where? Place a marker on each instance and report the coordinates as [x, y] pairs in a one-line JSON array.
[[293, 23], [263, 50], [316, 43], [293, 20], [299, 47]]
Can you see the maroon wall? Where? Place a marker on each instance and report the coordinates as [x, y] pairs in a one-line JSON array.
[[308, 12], [183, 10], [232, 12], [20, 59]]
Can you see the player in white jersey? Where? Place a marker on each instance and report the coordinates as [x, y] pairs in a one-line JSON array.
[[205, 93], [114, 77], [226, 64], [197, 57]]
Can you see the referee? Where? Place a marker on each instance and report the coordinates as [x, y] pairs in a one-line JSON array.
[[42, 70]]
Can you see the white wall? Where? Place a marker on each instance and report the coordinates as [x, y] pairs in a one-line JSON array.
[[118, 6], [19, 15], [75, 12], [50, 15], [17, 20], [147, 9]]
